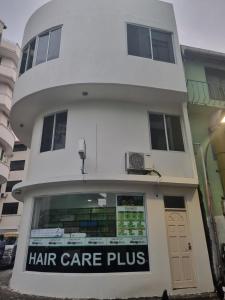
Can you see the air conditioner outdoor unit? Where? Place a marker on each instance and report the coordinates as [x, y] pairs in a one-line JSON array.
[[138, 163]]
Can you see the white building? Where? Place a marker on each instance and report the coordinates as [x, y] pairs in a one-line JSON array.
[[10, 208], [9, 56], [110, 73]]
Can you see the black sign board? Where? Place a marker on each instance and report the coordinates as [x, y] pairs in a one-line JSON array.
[[94, 259]]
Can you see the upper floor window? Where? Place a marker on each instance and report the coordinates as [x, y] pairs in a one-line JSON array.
[[42, 48], [17, 165], [166, 133], [150, 43], [216, 83], [54, 132], [48, 45], [10, 185], [10, 208], [19, 147]]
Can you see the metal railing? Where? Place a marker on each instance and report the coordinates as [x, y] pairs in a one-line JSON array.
[[203, 93]]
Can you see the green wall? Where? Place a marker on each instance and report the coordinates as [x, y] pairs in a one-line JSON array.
[[199, 113]]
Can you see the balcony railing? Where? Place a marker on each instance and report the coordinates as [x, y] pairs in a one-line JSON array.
[[5, 102], [8, 74], [7, 139], [203, 93], [4, 172]]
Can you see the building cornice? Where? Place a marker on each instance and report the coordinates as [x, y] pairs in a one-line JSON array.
[[189, 52]]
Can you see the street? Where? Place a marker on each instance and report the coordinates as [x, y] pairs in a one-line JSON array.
[[7, 294]]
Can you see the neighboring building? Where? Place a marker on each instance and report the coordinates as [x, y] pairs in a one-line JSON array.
[[11, 209], [2, 27], [205, 74], [105, 78], [9, 56], [12, 157]]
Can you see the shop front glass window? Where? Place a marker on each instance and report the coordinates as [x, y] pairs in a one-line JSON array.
[[88, 233]]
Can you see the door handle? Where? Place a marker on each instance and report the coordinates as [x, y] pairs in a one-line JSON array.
[[189, 246]]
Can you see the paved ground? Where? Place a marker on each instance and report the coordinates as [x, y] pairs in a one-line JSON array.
[[7, 294]]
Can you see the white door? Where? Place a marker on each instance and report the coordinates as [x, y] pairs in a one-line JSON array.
[[180, 250]]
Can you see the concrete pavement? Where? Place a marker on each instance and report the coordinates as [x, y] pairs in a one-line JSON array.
[[7, 294]]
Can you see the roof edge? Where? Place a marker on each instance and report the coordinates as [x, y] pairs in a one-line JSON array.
[[192, 52]]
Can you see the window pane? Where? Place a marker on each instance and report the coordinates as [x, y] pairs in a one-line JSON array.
[[46, 142], [157, 129], [42, 48], [102, 215], [174, 202], [138, 39], [89, 223], [24, 61], [10, 185], [78, 214], [17, 165], [216, 83], [162, 46], [10, 208], [174, 133], [19, 147], [54, 44], [31, 54], [60, 131]]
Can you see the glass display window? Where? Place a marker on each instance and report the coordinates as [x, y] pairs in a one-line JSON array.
[[89, 233]]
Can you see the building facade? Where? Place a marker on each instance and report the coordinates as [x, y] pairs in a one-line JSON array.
[[12, 209], [205, 74], [9, 56], [111, 208]]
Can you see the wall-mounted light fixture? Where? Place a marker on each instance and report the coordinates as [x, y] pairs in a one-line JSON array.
[[82, 153]]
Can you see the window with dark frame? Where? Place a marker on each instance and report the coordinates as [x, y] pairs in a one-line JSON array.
[[40, 49], [174, 202], [10, 185], [19, 147], [138, 39], [216, 83], [17, 165], [10, 208], [146, 42], [54, 132], [162, 46], [166, 132]]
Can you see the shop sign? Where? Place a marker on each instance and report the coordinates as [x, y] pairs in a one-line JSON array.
[[94, 259]]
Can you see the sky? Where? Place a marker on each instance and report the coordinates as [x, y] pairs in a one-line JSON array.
[[201, 23]]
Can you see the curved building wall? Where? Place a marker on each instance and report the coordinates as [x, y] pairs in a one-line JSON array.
[[94, 51], [108, 96], [109, 131], [9, 56]]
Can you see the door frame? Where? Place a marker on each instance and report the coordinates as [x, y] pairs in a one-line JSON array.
[[190, 238]]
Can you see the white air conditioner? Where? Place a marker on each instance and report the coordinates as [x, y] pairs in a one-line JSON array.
[[138, 162]]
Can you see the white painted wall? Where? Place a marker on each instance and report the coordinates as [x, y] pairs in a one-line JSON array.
[[94, 45], [12, 222], [7, 73], [94, 51], [110, 129], [5, 89], [113, 119], [119, 285]]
